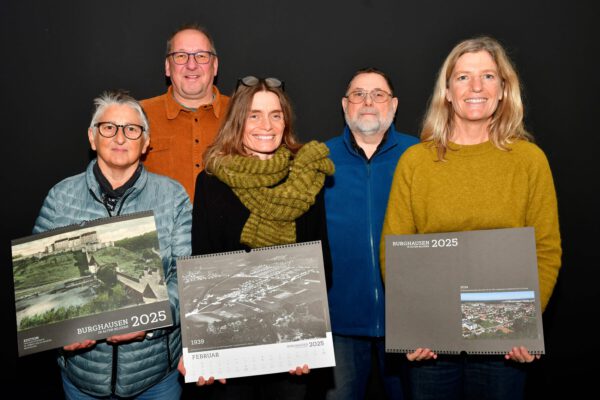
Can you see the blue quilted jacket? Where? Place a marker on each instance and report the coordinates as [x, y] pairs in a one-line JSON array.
[[127, 369]]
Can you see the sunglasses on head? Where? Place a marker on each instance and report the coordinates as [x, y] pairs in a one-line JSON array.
[[250, 81]]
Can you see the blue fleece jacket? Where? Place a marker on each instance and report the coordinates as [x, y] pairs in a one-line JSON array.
[[356, 198]]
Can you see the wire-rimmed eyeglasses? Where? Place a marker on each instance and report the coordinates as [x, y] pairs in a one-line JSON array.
[[377, 95], [182, 57], [110, 129], [253, 81]]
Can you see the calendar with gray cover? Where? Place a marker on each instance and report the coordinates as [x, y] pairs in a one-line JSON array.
[[474, 291], [89, 281], [254, 313]]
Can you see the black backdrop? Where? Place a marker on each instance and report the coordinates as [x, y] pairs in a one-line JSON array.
[[58, 55]]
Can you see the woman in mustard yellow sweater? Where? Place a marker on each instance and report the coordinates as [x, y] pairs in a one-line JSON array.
[[476, 168]]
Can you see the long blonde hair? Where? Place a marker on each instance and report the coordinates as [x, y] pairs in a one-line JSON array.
[[507, 122]]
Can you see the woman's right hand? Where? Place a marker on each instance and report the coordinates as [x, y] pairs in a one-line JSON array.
[[421, 354], [201, 380], [79, 345]]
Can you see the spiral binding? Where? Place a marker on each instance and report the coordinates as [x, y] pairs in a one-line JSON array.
[[81, 225], [226, 253], [456, 352]]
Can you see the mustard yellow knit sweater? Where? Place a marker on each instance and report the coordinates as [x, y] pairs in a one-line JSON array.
[[478, 187]]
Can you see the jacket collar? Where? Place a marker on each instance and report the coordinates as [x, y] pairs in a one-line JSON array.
[[173, 108], [390, 142], [131, 193]]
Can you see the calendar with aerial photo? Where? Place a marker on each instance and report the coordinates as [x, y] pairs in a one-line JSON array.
[[89, 281], [250, 313], [474, 291]]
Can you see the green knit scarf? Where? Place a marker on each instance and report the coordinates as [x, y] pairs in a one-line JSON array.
[[274, 201]]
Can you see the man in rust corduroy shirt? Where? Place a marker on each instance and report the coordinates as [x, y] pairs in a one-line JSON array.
[[185, 120]]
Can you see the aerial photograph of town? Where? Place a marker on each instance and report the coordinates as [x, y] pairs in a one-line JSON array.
[[246, 299], [499, 315], [87, 271]]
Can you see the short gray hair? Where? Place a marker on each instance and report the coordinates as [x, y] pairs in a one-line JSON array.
[[118, 97], [191, 27]]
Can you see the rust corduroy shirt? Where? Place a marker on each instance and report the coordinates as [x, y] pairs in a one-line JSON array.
[[179, 136]]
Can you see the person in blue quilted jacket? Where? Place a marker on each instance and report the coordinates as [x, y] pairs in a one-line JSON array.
[[140, 365]]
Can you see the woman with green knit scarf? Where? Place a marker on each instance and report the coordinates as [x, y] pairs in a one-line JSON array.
[[260, 187]]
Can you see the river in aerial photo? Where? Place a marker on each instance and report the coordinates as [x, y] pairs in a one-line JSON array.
[[37, 305]]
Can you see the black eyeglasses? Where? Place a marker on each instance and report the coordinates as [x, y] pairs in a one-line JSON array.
[[110, 129], [182, 57], [253, 81]]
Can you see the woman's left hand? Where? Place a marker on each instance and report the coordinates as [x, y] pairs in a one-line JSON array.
[[201, 380], [300, 370], [521, 355]]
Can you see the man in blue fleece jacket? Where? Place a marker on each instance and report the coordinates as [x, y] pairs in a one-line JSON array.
[[365, 157]]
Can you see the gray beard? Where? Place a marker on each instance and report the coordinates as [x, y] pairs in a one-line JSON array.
[[370, 128]]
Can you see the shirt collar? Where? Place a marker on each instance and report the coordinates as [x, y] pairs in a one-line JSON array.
[[174, 108]]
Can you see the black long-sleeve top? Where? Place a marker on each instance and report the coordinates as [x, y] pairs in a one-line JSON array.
[[219, 217]]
